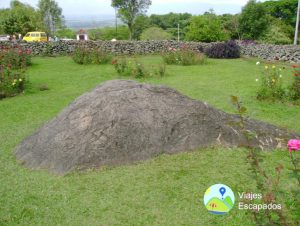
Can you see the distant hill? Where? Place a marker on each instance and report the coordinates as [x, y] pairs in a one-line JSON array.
[[77, 22]]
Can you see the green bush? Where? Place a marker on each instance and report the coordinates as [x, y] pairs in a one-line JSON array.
[[276, 36], [206, 28], [155, 33], [85, 55], [66, 33], [183, 56]]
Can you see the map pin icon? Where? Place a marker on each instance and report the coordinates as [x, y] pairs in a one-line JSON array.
[[222, 191]]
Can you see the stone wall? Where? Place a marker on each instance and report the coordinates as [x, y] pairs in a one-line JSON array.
[[269, 52]]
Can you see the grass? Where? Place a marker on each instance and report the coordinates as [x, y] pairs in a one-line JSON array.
[[167, 190]]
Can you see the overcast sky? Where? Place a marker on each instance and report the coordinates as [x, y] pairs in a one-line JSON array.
[[102, 7]]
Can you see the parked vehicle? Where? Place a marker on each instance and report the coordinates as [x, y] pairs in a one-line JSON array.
[[4, 38], [35, 36]]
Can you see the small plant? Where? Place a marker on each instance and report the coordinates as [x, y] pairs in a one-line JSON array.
[[227, 50], [161, 72], [271, 83], [85, 55], [183, 56], [139, 70], [123, 66], [294, 89]]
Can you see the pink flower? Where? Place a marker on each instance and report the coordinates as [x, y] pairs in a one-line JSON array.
[[294, 145]]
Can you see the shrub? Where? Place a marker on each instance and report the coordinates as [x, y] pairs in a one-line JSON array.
[[14, 57], [136, 69], [183, 56], [85, 55], [12, 82], [271, 84], [13, 63], [155, 33], [122, 66], [294, 89], [126, 67], [275, 36], [226, 50]]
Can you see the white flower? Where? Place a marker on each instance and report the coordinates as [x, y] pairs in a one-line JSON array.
[[256, 80], [280, 76], [257, 63]]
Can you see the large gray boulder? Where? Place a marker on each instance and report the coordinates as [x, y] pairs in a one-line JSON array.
[[124, 121]]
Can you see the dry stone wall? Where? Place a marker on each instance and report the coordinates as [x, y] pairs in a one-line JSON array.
[[288, 53]]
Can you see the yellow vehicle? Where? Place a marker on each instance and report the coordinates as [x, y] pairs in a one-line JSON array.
[[35, 36]]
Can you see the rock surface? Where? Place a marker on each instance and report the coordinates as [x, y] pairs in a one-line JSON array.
[[124, 121]]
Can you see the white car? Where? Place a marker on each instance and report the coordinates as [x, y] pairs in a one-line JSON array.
[[4, 38]]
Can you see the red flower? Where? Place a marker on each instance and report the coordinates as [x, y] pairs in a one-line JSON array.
[[296, 74], [294, 66]]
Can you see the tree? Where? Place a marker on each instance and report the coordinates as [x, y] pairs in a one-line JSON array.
[[206, 28], [284, 11], [20, 18], [231, 25], [128, 10], [155, 33], [253, 20], [3, 15], [169, 22], [142, 22], [51, 14]]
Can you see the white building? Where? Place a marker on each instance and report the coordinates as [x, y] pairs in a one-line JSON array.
[[82, 35]]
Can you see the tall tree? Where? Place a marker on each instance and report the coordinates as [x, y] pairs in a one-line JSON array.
[[254, 20], [20, 18], [51, 14], [231, 25], [129, 10], [206, 28], [285, 11]]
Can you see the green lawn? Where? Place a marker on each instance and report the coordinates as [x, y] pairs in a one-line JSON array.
[[167, 190]]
